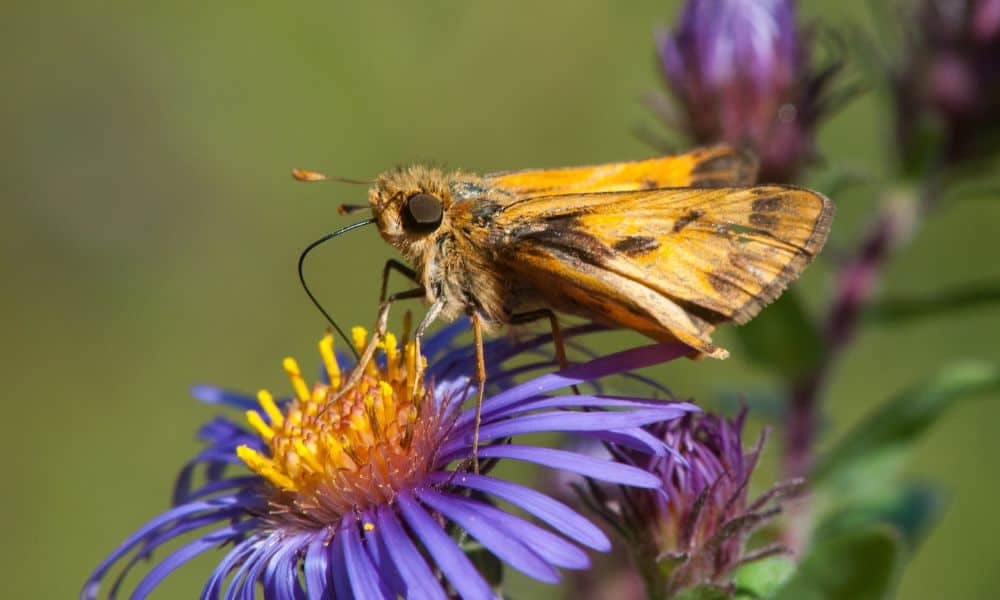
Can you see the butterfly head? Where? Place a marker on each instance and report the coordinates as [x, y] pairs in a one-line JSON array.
[[410, 207]]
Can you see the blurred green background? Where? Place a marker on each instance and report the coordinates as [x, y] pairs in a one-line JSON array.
[[150, 230]]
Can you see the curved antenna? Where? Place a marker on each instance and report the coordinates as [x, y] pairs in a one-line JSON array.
[[305, 286]]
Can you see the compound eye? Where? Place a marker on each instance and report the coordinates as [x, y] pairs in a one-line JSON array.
[[422, 212]]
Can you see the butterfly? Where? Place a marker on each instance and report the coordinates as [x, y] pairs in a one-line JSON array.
[[669, 247]]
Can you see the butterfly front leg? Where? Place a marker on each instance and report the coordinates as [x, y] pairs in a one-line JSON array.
[[400, 267]]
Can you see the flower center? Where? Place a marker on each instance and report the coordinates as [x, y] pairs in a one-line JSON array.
[[333, 450]]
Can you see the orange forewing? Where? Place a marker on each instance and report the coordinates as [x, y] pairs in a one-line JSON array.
[[706, 167], [668, 260]]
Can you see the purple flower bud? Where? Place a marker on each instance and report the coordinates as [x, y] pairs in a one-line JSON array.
[[951, 77], [741, 72], [693, 529]]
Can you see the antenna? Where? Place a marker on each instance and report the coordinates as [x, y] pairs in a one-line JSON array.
[[312, 177], [305, 286]]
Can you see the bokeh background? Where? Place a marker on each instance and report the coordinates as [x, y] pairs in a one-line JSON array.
[[150, 230]]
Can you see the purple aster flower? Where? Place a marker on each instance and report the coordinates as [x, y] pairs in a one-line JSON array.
[[693, 529], [742, 73], [365, 492], [950, 78]]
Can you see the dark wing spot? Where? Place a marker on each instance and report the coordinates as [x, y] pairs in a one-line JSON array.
[[738, 260], [769, 222], [691, 216], [637, 245], [769, 204], [723, 284]]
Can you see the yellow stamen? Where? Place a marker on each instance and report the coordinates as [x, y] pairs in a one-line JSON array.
[[391, 355], [264, 466], [307, 456], [330, 360], [262, 428], [295, 375], [333, 450], [360, 336], [266, 401]]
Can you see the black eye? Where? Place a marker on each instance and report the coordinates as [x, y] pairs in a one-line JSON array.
[[422, 212]]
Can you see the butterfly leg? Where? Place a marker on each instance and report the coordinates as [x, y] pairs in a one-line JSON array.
[[557, 338], [477, 332], [394, 265], [381, 324], [382, 321], [418, 335]]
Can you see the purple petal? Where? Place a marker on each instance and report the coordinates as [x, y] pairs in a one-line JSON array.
[[421, 584], [561, 517], [497, 540], [210, 394], [244, 582], [564, 421], [317, 567], [341, 579], [176, 530], [550, 547], [634, 438], [448, 557], [589, 400], [374, 542], [215, 504], [604, 470], [178, 558], [628, 360], [281, 577], [365, 580], [235, 556]]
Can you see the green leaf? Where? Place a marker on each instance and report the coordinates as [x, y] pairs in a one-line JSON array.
[[702, 592], [860, 565], [891, 311], [783, 337], [762, 578], [910, 508], [897, 423]]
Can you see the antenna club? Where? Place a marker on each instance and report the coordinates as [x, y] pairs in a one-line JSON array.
[[304, 175]]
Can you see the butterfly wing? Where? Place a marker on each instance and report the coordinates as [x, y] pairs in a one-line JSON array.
[[715, 166], [670, 263]]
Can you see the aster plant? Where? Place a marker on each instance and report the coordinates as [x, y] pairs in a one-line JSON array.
[[692, 531], [946, 85], [742, 72], [367, 492]]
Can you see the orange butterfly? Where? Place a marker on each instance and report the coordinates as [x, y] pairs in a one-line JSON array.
[[669, 247]]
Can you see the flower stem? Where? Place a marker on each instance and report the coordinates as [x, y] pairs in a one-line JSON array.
[[857, 283]]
